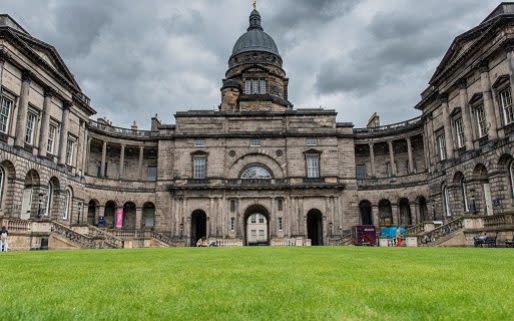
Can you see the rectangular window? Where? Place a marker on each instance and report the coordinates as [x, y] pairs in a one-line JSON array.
[[261, 233], [280, 224], [481, 121], [441, 146], [361, 171], [199, 142], [199, 167], [52, 130], [232, 205], [255, 142], [459, 132], [253, 233], [261, 220], [312, 141], [232, 223], [389, 172], [505, 98], [280, 204], [262, 87], [70, 150], [29, 128], [253, 220], [312, 165], [248, 87], [152, 173], [4, 115], [255, 87]]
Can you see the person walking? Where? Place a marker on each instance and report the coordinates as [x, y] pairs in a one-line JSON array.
[[3, 239]]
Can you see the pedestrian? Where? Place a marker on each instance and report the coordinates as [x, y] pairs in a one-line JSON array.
[[398, 237], [3, 239]]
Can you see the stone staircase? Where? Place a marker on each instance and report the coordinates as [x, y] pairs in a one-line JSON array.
[[75, 239], [442, 234]]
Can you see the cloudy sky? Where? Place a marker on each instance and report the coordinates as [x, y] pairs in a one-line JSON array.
[[138, 58]]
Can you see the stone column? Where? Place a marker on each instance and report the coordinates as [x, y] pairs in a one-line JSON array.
[[466, 115], [431, 140], [100, 211], [426, 146], [372, 159], [64, 132], [122, 161], [85, 151], [86, 156], [374, 214], [139, 217], [488, 101], [80, 147], [447, 126], [391, 157], [414, 213], [510, 59], [140, 164], [45, 123], [409, 152], [23, 107], [104, 155], [396, 214]]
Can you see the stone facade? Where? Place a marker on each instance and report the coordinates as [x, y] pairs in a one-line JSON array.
[[311, 177]]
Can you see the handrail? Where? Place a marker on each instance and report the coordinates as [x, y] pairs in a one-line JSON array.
[[415, 229], [163, 238], [120, 130], [82, 240], [398, 125], [442, 231], [107, 237]]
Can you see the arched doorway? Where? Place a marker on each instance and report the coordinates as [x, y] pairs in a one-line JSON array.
[[129, 216], [423, 209], [366, 213], [7, 185], [405, 213], [91, 211], [109, 214], [29, 199], [385, 212], [315, 227], [257, 225], [148, 215], [198, 226], [483, 190], [52, 198]]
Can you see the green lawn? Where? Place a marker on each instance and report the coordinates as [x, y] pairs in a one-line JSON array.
[[265, 283]]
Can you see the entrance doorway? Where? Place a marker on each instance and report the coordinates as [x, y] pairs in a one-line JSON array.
[[366, 213], [315, 227], [257, 226], [198, 226]]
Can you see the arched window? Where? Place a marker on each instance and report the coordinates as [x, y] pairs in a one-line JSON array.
[[511, 171], [68, 197], [464, 190], [256, 172], [50, 198], [446, 200], [2, 180]]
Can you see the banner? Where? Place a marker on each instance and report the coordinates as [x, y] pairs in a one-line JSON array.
[[119, 217]]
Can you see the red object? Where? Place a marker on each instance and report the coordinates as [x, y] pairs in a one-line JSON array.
[[364, 235], [399, 241]]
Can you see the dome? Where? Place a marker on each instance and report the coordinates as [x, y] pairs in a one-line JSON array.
[[255, 39]]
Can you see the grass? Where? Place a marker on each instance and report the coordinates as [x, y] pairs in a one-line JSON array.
[[263, 283]]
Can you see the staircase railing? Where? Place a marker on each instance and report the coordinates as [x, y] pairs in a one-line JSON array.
[[163, 238], [82, 240], [440, 232], [416, 229], [344, 239], [108, 238]]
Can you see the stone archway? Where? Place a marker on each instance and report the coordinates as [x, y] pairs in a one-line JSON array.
[[257, 225], [129, 216], [148, 221], [405, 212], [110, 214], [30, 196], [198, 226], [315, 227], [92, 209], [365, 210], [423, 209], [385, 212]]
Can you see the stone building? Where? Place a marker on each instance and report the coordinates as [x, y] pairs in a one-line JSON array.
[[258, 170]]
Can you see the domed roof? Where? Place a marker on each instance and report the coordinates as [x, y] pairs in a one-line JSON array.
[[255, 39]]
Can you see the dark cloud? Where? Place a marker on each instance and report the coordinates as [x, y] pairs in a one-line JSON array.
[[138, 58]]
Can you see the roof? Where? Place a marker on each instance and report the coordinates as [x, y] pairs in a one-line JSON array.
[[255, 39]]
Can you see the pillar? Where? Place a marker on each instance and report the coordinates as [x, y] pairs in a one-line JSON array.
[[488, 101], [447, 125], [45, 123], [86, 156], [431, 140], [64, 132], [122, 161], [85, 151], [104, 155], [140, 164], [409, 152], [23, 106], [372, 159], [375, 216], [414, 213], [391, 157], [80, 146], [396, 214], [466, 115], [139, 217]]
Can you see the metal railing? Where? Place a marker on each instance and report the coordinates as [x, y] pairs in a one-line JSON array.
[[120, 130], [430, 238], [394, 126]]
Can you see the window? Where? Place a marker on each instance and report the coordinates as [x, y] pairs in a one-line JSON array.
[[200, 142], [312, 141], [255, 142], [261, 219], [481, 121], [29, 128], [511, 171], [232, 223], [312, 165], [199, 167], [464, 190], [446, 199], [253, 219], [505, 98], [280, 204], [261, 233], [49, 198], [152, 173], [361, 171], [253, 233], [280, 224], [459, 132], [232, 205], [255, 87], [389, 170], [52, 130], [67, 204], [4, 115], [256, 172], [70, 150], [2, 181], [441, 146]]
